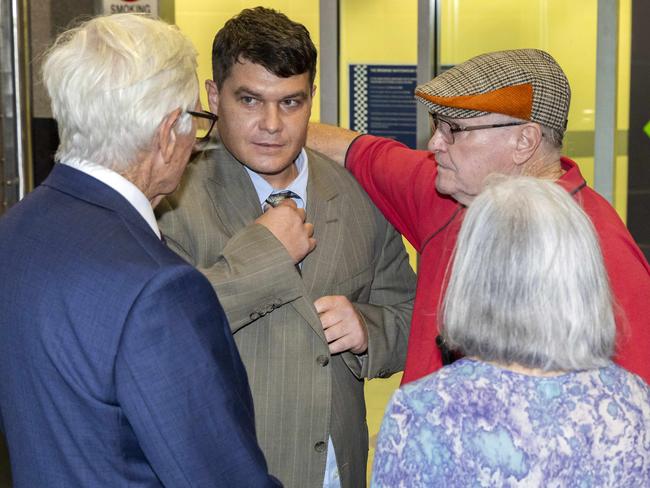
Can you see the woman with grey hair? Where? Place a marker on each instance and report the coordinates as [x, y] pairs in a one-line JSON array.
[[536, 400]]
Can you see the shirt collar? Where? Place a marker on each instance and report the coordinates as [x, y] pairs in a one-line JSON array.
[[121, 185], [298, 186], [572, 180]]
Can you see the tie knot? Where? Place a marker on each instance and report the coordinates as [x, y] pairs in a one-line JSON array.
[[274, 199]]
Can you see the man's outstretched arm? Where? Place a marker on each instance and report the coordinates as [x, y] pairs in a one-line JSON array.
[[330, 140]]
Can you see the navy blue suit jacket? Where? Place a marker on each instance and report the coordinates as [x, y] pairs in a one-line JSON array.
[[117, 366]]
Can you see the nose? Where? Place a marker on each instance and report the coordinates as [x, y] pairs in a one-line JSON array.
[[437, 143], [271, 121]]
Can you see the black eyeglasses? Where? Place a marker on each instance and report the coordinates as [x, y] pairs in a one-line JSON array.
[[205, 124], [447, 129]]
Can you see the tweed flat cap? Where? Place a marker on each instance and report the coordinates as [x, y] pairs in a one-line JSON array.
[[524, 83]]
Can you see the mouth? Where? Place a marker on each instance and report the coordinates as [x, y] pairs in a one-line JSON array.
[[268, 145]]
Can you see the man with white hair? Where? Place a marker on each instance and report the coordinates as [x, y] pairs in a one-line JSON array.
[[117, 366], [502, 112]]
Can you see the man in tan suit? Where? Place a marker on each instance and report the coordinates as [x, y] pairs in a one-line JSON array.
[[317, 288]]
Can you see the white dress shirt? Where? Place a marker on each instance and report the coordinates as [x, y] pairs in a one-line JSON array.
[[298, 186]]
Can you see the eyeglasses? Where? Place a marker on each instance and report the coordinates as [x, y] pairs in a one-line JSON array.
[[205, 124], [447, 129]]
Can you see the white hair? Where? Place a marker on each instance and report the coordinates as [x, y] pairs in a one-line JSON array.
[[112, 80], [554, 138], [528, 284]]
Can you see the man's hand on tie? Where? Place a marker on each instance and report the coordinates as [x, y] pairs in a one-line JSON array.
[[287, 223], [344, 328]]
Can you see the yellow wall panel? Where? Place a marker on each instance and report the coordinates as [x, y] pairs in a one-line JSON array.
[[624, 64], [378, 32], [623, 106], [472, 27]]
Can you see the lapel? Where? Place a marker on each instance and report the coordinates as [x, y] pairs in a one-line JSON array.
[[324, 206], [84, 187], [235, 200], [230, 190], [324, 209]]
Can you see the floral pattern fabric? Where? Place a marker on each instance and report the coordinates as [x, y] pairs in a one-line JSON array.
[[473, 424]]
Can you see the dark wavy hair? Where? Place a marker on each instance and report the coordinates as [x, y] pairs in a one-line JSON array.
[[266, 37]]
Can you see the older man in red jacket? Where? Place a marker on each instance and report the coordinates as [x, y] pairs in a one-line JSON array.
[[502, 112]]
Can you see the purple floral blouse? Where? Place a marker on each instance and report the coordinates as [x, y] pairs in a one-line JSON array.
[[473, 424]]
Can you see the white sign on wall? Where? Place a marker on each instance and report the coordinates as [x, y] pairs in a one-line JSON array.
[[130, 6]]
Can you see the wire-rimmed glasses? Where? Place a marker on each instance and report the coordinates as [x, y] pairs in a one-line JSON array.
[[447, 128]]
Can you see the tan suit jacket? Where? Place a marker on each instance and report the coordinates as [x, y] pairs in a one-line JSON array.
[[302, 394]]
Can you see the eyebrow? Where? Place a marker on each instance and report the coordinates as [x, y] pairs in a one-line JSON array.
[[244, 90]]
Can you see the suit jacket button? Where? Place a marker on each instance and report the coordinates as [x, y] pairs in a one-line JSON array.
[[320, 446], [382, 373], [323, 360], [255, 315]]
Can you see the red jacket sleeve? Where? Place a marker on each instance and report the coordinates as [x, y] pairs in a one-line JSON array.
[[401, 182], [629, 277]]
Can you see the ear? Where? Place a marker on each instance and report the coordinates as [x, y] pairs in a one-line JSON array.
[[167, 135], [213, 96], [528, 140], [313, 91]]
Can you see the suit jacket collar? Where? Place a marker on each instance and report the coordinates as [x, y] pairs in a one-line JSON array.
[[84, 187], [324, 205], [230, 189], [235, 199]]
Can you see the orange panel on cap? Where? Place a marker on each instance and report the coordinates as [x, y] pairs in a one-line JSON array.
[[516, 101]]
